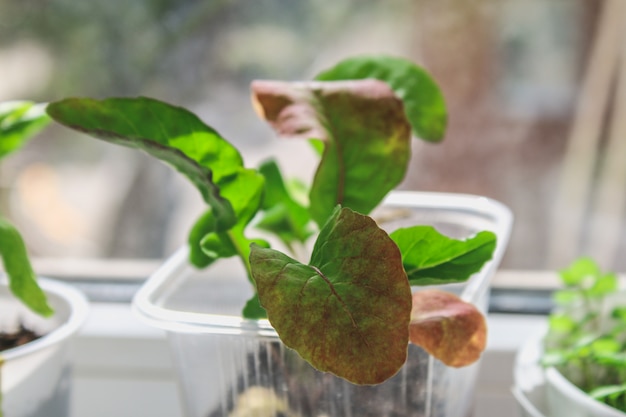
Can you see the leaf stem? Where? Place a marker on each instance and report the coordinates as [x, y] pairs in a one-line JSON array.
[[244, 255]]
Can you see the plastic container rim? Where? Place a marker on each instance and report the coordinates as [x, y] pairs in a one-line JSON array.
[[184, 321]]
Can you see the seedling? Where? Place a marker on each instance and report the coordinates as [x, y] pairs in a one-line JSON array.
[[586, 340], [19, 121], [349, 309]]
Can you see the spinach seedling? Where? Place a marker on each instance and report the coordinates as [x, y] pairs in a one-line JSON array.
[[349, 310], [586, 339], [19, 121]]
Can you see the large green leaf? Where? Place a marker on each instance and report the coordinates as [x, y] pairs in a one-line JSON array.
[[366, 135], [19, 121], [22, 279], [348, 311], [423, 101], [169, 133], [432, 258]]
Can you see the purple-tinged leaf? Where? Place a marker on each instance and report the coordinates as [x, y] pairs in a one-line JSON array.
[[423, 101], [365, 133], [448, 328], [348, 311]]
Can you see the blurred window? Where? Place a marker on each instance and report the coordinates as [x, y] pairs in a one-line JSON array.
[[534, 90]]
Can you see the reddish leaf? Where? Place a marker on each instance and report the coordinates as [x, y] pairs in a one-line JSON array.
[[348, 311], [448, 328], [362, 124], [423, 101]]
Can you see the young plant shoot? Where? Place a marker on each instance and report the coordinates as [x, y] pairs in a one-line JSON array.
[[586, 338], [19, 121], [349, 310]]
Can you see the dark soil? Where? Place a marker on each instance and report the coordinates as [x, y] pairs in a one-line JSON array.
[[285, 377], [19, 337]]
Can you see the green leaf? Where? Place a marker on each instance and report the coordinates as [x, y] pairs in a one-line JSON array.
[[565, 297], [253, 309], [362, 124], [579, 270], [619, 313], [19, 121], [605, 345], [561, 323], [244, 191], [601, 393], [554, 358], [282, 214], [604, 285], [432, 258], [204, 226], [171, 134], [22, 278], [584, 343], [423, 101], [614, 359], [348, 311]]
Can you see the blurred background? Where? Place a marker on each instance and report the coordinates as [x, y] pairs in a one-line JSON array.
[[532, 88]]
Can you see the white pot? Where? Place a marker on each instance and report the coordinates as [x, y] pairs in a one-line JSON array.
[[547, 393], [36, 376], [224, 360]]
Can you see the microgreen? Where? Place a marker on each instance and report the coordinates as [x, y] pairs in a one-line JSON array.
[[586, 337], [349, 309]]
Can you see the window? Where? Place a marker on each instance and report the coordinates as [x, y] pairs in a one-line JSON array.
[[515, 73]]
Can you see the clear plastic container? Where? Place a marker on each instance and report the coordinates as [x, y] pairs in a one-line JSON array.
[[36, 377], [228, 366]]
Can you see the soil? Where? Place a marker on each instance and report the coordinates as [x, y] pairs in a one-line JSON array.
[[19, 337], [275, 382]]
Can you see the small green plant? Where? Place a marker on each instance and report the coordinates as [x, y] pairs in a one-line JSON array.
[[349, 309], [19, 121], [586, 340]]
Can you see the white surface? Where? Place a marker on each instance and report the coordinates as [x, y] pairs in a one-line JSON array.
[[35, 375], [565, 399], [495, 379], [122, 367]]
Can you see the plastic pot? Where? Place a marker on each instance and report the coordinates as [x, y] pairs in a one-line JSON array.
[[227, 364], [36, 377], [546, 392]]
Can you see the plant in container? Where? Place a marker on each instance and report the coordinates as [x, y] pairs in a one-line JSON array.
[[37, 321], [578, 366], [324, 334]]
